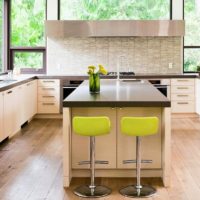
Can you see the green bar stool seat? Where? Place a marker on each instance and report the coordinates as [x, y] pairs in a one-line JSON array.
[[139, 127], [92, 127]]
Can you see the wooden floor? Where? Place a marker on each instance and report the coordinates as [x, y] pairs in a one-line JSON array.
[[31, 164]]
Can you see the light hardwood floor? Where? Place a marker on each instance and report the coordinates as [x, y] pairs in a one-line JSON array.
[[31, 164]]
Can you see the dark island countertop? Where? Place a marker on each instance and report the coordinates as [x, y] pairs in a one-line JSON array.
[[117, 94]]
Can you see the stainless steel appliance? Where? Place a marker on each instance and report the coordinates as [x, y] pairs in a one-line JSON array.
[[163, 85], [70, 86]]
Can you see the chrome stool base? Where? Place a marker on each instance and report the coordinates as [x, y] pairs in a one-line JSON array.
[[132, 191], [86, 191]]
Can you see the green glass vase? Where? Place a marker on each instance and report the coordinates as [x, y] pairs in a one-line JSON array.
[[94, 83]]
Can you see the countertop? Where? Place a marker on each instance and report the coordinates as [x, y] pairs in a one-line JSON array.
[[21, 79], [117, 94]]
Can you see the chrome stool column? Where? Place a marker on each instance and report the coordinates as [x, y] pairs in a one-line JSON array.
[[131, 126], [92, 190]]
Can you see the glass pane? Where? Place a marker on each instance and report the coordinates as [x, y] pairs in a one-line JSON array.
[[191, 59], [28, 60], [1, 36], [192, 17], [114, 9], [27, 22]]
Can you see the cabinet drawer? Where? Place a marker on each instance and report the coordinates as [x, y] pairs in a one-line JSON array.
[[48, 107], [182, 97], [48, 98], [182, 81], [49, 82], [49, 91], [183, 107], [184, 89]]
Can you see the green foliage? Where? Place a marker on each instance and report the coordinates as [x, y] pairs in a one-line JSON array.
[[27, 20], [192, 37], [114, 9], [28, 60]]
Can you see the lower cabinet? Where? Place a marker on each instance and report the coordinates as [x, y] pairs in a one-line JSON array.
[[10, 112], [117, 147], [18, 104]]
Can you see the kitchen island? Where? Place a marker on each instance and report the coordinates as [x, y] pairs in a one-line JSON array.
[[115, 100]]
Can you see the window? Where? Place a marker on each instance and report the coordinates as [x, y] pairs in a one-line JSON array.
[[192, 35], [27, 49], [114, 9], [1, 36]]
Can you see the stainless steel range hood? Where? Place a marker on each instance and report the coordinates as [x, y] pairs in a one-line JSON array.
[[114, 28]]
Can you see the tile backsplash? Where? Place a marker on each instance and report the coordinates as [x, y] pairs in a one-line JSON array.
[[139, 54]]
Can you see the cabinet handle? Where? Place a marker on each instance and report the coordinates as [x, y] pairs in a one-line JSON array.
[[9, 92], [48, 104], [181, 103], [182, 80], [182, 88], [48, 88], [48, 96], [182, 95], [49, 81]]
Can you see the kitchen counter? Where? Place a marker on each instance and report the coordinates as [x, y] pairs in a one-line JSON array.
[[6, 84], [117, 94], [117, 99], [21, 79]]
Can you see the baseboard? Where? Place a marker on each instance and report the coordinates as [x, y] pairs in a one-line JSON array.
[[48, 116]]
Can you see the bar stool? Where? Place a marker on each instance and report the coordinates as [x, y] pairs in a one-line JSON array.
[[92, 127], [139, 127]]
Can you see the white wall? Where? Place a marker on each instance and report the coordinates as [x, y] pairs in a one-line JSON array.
[[52, 9], [177, 9]]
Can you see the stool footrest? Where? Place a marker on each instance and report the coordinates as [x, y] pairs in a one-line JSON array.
[[96, 162], [134, 161]]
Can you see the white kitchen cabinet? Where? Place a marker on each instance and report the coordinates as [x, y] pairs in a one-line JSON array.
[[19, 105], [10, 113], [48, 96], [183, 95], [29, 93], [1, 117]]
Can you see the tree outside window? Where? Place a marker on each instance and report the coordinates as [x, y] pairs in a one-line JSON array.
[[27, 33], [192, 36], [114, 9]]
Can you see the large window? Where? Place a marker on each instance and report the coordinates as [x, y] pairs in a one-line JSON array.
[[192, 35], [1, 37], [114, 9], [27, 49]]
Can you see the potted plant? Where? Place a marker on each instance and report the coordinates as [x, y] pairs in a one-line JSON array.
[[94, 78]]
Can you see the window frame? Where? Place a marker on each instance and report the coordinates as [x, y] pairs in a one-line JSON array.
[[12, 50], [186, 46]]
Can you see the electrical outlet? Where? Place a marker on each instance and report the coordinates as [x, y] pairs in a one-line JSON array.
[[170, 65]]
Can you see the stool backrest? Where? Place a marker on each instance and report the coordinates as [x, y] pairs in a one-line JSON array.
[[91, 126], [139, 126]]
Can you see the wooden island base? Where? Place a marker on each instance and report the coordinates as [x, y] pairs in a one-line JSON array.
[[116, 147]]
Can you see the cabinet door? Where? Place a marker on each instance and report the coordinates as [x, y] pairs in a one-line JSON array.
[[9, 113], [105, 145], [30, 99], [1, 117], [150, 145], [33, 97]]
